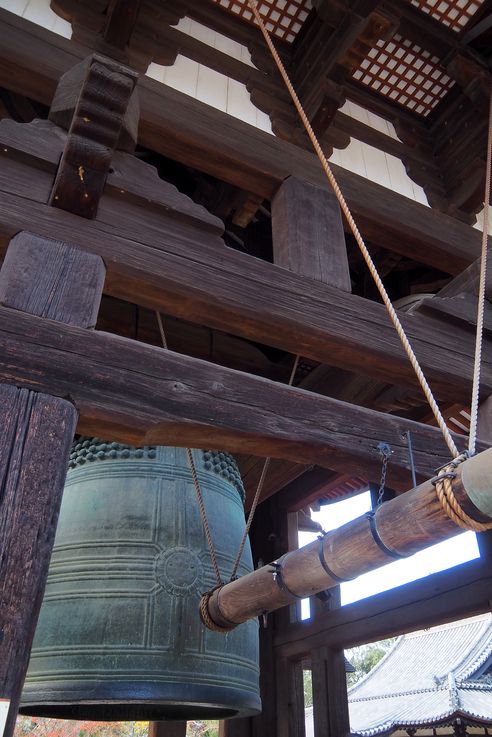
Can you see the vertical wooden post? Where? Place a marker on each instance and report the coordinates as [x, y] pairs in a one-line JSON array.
[[290, 698], [308, 235], [167, 729], [50, 279], [330, 704]]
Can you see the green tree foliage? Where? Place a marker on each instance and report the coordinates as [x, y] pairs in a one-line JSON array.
[[308, 688], [365, 657]]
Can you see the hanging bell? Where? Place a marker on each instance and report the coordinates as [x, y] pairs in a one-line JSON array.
[[119, 635]]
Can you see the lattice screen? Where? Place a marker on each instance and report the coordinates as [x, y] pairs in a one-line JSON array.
[[405, 73], [283, 18], [453, 13]]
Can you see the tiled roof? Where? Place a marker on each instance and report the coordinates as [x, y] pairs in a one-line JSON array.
[[428, 677]]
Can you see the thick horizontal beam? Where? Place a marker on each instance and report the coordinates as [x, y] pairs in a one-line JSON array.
[[160, 262], [361, 545], [32, 60], [462, 591], [140, 394]]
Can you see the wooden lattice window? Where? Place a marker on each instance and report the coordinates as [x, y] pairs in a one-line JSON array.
[[283, 18], [453, 13], [406, 74]]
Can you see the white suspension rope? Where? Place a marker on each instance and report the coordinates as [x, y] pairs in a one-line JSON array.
[[481, 294], [358, 237]]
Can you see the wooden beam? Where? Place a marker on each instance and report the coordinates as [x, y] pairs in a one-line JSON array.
[[467, 283], [45, 279], [362, 545], [96, 95], [167, 729], [37, 434], [157, 396], [184, 129], [307, 233], [159, 261], [37, 277], [329, 683], [462, 591]]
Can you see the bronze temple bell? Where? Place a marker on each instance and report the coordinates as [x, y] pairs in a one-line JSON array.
[[119, 635]]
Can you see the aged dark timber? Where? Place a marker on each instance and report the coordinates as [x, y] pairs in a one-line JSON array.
[[181, 128], [200, 281], [37, 433], [158, 396], [122, 197], [357, 547]]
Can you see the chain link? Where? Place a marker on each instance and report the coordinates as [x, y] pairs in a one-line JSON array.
[[385, 453]]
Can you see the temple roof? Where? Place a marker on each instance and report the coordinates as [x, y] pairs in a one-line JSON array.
[[429, 677]]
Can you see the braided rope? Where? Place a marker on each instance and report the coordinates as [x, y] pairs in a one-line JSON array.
[[203, 515], [358, 237], [205, 614], [258, 490], [161, 330], [196, 482], [481, 293], [448, 501]]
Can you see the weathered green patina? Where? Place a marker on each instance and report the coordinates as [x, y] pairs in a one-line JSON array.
[[119, 635]]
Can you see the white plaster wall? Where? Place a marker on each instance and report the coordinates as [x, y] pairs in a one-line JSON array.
[[232, 97], [39, 12], [208, 86], [371, 119], [372, 163], [479, 223], [379, 167]]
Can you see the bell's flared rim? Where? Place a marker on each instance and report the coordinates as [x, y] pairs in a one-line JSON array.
[[109, 702]]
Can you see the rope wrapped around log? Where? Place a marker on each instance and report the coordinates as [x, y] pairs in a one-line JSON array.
[[403, 526]]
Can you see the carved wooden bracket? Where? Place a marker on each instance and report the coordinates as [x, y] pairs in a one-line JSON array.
[[128, 31], [96, 102]]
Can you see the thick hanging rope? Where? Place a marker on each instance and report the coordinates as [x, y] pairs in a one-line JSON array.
[[201, 503], [259, 489], [196, 482], [481, 293], [203, 515], [448, 501], [358, 237]]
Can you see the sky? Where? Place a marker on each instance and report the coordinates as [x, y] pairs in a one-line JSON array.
[[438, 557]]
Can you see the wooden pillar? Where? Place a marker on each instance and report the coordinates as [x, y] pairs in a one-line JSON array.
[[330, 704], [290, 698], [167, 729], [308, 235], [50, 279]]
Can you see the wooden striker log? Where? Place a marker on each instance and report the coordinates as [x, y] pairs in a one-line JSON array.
[[399, 528]]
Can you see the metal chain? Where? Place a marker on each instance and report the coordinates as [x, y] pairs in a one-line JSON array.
[[358, 237], [196, 482], [258, 490], [385, 452], [481, 293]]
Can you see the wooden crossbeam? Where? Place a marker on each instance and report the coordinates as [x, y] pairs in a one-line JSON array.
[[161, 262], [141, 394], [32, 60], [462, 591]]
